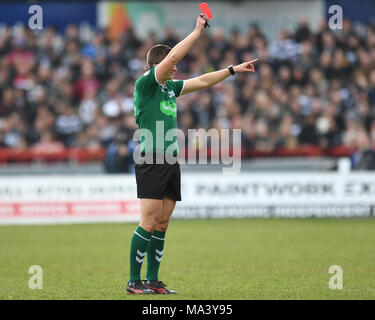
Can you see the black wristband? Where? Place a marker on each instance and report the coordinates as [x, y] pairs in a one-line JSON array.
[[231, 70]]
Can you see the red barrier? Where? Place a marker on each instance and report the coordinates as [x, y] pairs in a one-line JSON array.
[[80, 155], [340, 151]]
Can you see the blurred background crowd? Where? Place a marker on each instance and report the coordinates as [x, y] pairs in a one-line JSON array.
[[74, 90]]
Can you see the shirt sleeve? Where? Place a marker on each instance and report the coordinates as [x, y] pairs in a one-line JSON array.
[[178, 86]]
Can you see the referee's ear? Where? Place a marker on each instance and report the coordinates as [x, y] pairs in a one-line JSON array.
[[157, 54]]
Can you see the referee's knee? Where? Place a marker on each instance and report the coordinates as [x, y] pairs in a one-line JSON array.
[[162, 225], [149, 224]]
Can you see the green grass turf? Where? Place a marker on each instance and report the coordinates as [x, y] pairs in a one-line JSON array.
[[203, 259]]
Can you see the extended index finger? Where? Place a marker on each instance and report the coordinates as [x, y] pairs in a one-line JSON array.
[[253, 61]]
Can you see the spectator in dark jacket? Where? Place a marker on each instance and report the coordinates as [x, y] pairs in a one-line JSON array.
[[364, 157]]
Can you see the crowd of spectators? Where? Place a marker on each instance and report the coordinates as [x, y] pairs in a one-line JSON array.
[[75, 89]]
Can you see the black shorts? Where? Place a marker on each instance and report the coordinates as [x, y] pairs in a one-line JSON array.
[[157, 181]]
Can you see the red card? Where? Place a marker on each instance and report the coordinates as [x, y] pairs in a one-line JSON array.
[[206, 9]]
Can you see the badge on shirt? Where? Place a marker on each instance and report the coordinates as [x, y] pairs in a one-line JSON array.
[[164, 87]]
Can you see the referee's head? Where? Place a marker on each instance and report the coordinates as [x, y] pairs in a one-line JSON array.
[[156, 54]]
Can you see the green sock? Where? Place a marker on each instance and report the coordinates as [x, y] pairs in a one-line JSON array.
[[154, 254], [138, 248]]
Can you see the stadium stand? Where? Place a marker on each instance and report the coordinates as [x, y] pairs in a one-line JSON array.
[[69, 96]]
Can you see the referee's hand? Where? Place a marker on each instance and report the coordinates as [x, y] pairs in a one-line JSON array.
[[201, 22], [246, 66]]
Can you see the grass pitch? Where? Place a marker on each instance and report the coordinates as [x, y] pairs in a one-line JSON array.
[[203, 259]]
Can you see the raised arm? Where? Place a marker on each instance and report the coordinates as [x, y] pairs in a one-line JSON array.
[[210, 79], [164, 68]]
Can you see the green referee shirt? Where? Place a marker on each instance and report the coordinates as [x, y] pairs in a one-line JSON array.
[[155, 109]]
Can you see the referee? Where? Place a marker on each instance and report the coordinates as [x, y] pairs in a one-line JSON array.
[[159, 184]]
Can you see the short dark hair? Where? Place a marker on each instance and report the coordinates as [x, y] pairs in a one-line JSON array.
[[156, 54]]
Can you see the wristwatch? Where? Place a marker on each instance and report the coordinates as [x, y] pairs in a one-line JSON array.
[[231, 70]]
